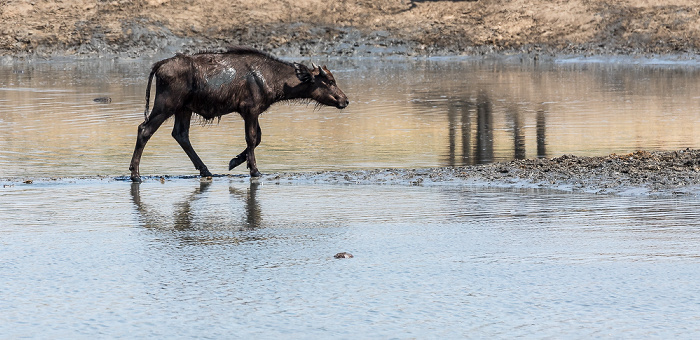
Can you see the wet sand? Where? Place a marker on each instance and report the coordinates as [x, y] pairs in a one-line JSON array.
[[642, 173], [659, 173]]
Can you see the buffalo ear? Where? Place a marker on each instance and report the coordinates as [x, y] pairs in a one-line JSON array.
[[303, 73]]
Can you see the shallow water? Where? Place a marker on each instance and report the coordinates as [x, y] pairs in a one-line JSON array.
[[86, 256], [402, 114], [229, 258]]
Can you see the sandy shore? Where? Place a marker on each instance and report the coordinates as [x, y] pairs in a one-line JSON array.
[[537, 28], [642, 173], [637, 174]]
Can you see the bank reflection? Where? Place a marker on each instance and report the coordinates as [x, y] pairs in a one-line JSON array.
[[199, 215], [471, 123], [484, 129], [541, 133]]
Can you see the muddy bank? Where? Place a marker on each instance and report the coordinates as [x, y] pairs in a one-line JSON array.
[[662, 173], [642, 173], [350, 27]]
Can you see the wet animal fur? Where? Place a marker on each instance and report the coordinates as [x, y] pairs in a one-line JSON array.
[[213, 84]]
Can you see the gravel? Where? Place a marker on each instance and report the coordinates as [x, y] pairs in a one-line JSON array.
[[642, 173]]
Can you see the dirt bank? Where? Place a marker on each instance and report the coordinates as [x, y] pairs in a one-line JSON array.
[[642, 173], [639, 173], [350, 27]]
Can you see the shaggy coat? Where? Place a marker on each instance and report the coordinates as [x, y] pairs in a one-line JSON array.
[[242, 80]]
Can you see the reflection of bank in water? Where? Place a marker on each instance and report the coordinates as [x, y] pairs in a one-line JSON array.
[[471, 130], [411, 114]]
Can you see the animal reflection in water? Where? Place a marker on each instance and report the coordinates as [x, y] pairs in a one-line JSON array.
[[186, 212]]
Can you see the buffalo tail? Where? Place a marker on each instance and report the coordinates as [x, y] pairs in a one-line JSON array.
[[155, 68]]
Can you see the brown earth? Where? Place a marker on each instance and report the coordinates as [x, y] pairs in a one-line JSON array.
[[350, 27], [641, 173], [658, 173]]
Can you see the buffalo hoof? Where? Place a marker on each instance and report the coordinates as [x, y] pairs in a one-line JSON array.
[[236, 161], [204, 173], [255, 173]]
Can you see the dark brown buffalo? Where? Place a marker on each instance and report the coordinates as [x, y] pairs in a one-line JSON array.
[[242, 80]]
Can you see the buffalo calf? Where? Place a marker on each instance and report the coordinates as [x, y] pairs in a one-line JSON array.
[[242, 80]]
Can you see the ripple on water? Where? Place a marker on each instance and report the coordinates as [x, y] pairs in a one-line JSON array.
[[405, 114], [237, 257], [98, 257]]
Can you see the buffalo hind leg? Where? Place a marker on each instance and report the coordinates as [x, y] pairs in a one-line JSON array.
[[181, 133], [243, 156], [146, 130], [238, 160]]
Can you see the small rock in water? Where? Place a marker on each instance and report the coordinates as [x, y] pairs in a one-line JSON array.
[[343, 255], [103, 100]]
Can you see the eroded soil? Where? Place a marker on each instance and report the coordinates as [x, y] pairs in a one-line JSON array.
[[660, 173], [350, 27], [641, 173]]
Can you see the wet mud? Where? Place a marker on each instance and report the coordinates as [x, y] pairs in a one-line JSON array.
[[662, 173], [641, 173]]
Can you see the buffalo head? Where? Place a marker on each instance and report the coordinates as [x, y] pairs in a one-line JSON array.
[[321, 85]]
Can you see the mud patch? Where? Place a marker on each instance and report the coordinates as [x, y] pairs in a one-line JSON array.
[[639, 173]]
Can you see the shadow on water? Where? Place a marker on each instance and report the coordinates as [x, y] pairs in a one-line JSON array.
[[195, 216]]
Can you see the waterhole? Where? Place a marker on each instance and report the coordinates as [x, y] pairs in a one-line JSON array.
[[83, 254]]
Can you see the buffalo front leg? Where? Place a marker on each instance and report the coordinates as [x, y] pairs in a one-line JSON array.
[[146, 130], [251, 138], [181, 133], [243, 156]]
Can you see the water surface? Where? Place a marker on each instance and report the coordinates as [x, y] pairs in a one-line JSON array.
[[235, 259], [403, 114], [85, 256]]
